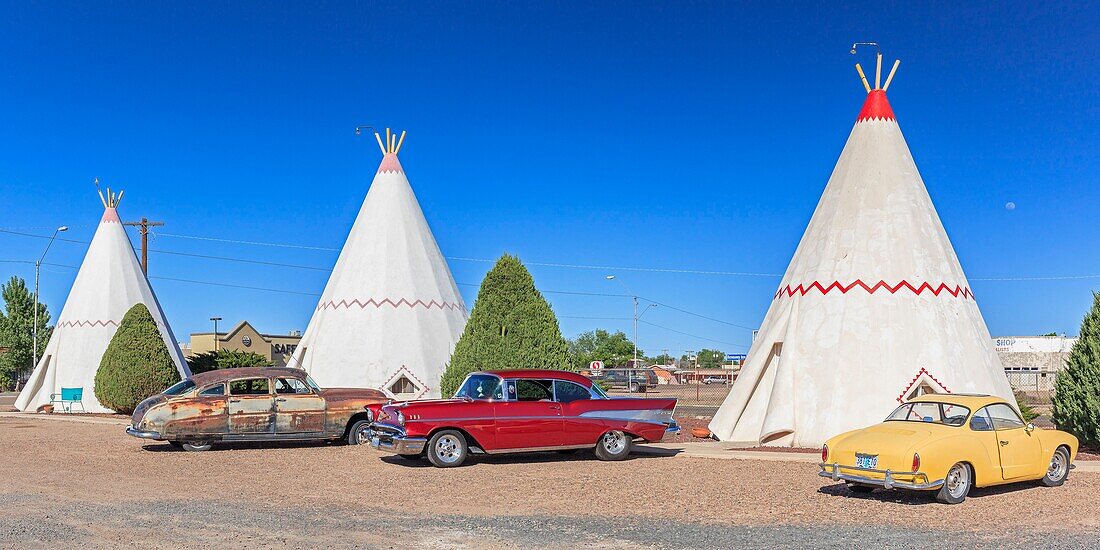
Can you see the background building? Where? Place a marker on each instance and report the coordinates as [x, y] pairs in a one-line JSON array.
[[244, 337], [1032, 363]]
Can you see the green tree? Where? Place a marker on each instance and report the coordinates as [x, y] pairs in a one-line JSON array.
[[663, 359], [711, 359], [136, 364], [1026, 410], [511, 327], [1077, 391], [17, 329], [614, 349], [226, 359]]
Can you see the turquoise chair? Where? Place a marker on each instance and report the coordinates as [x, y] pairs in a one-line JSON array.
[[68, 398]]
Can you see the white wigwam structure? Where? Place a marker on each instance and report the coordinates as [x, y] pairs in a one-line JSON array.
[[873, 309], [109, 283], [390, 314]]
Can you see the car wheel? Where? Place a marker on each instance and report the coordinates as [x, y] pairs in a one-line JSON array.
[[1058, 470], [613, 445], [956, 484], [359, 433], [633, 388], [176, 444], [859, 487], [447, 449], [196, 446]]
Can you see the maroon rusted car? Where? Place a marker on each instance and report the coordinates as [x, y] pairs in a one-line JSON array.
[[520, 411], [254, 404]]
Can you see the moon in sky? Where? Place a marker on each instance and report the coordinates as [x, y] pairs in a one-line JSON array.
[[1010, 206]]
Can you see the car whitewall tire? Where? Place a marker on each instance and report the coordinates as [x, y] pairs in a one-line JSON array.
[[196, 446]]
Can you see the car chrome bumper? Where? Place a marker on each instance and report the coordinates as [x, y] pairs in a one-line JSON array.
[[918, 481], [143, 435], [392, 439], [672, 428]]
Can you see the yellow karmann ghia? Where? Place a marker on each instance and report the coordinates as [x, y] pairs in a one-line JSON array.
[[949, 443]]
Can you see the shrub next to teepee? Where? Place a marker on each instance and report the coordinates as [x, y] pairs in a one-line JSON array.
[[510, 327], [136, 364], [1077, 392]]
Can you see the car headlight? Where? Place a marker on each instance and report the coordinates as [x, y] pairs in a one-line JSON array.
[[400, 418]]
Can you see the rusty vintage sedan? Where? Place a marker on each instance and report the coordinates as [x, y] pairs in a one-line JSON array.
[[254, 404]]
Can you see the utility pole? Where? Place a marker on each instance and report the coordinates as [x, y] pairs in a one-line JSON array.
[[144, 224]]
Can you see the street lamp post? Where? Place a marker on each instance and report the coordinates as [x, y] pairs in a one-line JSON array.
[[37, 268], [215, 319]]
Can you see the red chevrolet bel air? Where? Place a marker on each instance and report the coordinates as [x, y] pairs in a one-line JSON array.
[[520, 411]]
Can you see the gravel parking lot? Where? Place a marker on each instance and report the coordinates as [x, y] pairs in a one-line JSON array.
[[89, 483]]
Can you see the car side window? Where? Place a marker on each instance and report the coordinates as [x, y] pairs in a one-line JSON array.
[[980, 422], [534, 390], [1004, 417], [213, 391], [569, 391], [285, 386], [249, 386]]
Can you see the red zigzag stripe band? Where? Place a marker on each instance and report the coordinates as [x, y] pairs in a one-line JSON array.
[[96, 323], [803, 289], [453, 306]]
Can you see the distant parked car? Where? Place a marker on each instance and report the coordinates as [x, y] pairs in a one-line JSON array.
[[254, 404], [632, 380], [716, 380], [512, 411]]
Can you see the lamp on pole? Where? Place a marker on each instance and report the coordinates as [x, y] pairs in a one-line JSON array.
[[37, 268], [633, 297], [215, 319]]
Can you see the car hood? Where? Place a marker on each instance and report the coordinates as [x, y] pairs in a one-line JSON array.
[[144, 406]]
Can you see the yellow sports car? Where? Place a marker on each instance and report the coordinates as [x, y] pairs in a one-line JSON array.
[[949, 443]]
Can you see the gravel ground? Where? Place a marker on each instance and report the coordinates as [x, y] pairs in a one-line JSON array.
[[91, 484]]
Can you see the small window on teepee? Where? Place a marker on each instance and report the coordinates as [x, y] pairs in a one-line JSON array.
[[403, 386], [920, 389]]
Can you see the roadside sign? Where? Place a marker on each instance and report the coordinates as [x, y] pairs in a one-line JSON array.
[[735, 357], [596, 365]]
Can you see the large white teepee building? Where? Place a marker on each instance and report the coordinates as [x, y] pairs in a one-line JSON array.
[[109, 283], [873, 309], [390, 314]]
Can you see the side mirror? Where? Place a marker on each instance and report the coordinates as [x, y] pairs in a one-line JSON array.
[[1029, 428]]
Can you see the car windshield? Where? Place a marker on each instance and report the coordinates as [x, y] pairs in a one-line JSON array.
[[313, 384], [180, 387], [481, 386], [934, 413]]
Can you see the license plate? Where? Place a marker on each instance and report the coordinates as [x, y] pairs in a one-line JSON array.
[[866, 461], [374, 442]]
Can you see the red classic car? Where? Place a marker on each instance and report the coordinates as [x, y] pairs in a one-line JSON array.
[[519, 411]]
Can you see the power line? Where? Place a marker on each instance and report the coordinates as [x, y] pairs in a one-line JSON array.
[[741, 347], [228, 285]]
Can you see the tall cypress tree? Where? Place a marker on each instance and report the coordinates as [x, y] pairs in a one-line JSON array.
[[136, 364], [1077, 392], [511, 327]]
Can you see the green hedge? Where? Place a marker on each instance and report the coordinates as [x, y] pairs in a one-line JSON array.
[[136, 364]]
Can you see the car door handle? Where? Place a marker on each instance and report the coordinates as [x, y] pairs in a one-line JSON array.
[[234, 400], [1003, 443], [555, 408], [280, 400]]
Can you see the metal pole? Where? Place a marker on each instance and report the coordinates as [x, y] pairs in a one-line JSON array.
[[34, 328], [635, 365]]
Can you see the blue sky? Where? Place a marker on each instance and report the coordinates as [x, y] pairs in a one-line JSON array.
[[693, 136]]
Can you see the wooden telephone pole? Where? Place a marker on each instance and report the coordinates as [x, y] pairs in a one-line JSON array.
[[144, 224]]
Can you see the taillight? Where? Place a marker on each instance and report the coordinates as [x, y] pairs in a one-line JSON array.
[[824, 453], [916, 462]]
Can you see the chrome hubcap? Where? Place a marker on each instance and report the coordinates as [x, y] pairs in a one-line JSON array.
[[362, 437], [614, 442], [447, 449], [958, 480], [1057, 467]]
